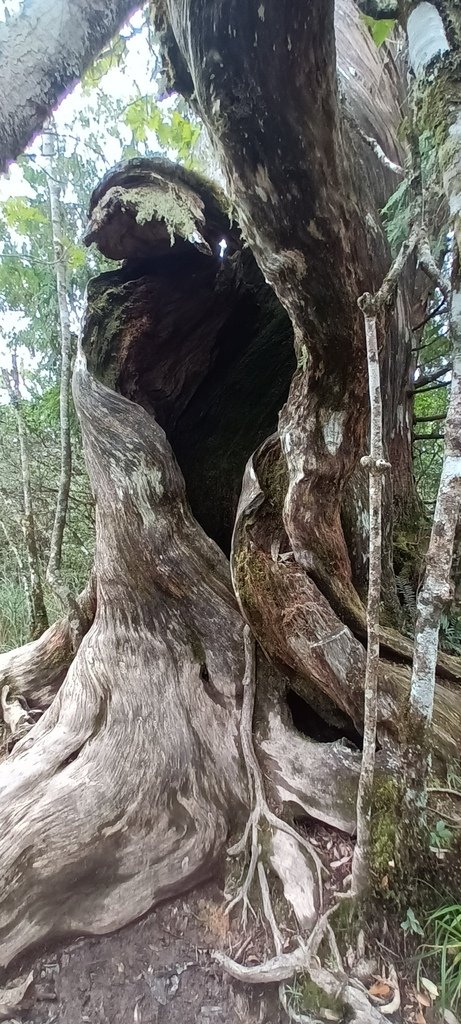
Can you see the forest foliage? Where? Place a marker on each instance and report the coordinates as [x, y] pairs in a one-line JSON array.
[[94, 131]]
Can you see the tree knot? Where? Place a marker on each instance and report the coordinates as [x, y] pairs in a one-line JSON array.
[[368, 304], [375, 466]]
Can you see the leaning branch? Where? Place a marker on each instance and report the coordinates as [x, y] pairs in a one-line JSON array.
[[435, 436], [430, 419], [429, 378], [43, 53]]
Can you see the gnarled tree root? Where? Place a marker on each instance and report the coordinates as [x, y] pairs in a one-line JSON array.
[[301, 880], [124, 790], [36, 670], [309, 865], [284, 967]]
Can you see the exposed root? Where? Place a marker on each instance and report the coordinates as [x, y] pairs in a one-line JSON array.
[[261, 814], [37, 670], [284, 966], [122, 792], [17, 716]]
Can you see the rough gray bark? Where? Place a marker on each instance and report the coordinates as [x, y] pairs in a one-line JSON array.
[[44, 51]]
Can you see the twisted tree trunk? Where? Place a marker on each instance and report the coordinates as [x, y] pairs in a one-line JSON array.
[[186, 362]]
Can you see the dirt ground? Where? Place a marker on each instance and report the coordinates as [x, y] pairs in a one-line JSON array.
[[156, 971], [160, 970]]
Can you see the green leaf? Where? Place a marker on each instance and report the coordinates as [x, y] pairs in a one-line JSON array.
[[380, 29]]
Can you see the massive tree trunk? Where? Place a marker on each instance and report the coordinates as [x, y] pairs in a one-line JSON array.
[[195, 372]]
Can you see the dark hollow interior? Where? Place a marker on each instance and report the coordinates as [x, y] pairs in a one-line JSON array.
[[204, 345]]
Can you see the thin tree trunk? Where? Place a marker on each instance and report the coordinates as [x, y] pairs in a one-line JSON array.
[[429, 41], [38, 618], [22, 572], [55, 557], [376, 466], [436, 591]]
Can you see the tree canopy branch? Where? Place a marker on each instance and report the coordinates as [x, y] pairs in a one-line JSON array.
[[43, 53]]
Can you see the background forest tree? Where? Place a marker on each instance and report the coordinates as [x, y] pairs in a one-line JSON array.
[[97, 131], [222, 395]]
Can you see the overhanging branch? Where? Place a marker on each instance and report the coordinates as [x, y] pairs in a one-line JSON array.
[[43, 53]]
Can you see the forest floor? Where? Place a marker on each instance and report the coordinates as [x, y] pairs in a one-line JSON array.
[[160, 970], [157, 971]]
